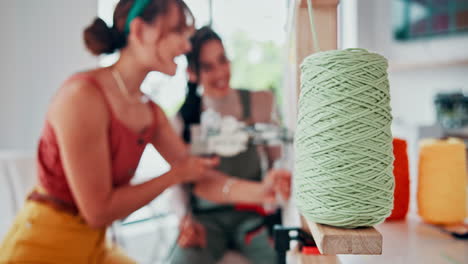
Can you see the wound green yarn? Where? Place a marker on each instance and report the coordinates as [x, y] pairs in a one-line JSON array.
[[344, 156]]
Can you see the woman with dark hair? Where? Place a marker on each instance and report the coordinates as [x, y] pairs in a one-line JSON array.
[[227, 212], [95, 131]]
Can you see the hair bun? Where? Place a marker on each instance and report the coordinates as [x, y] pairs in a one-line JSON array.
[[100, 39]]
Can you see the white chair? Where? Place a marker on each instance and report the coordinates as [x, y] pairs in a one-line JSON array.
[[17, 178], [7, 200]]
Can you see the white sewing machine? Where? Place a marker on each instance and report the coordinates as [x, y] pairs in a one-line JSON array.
[[227, 137]]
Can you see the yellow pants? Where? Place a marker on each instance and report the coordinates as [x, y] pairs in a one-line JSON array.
[[42, 234]]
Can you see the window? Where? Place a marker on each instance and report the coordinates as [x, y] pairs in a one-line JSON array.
[[254, 35], [422, 18]]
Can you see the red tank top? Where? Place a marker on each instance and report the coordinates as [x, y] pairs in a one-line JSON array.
[[126, 148]]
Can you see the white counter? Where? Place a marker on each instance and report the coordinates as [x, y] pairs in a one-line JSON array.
[[409, 241]]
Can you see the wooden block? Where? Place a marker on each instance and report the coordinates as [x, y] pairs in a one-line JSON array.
[[333, 240]]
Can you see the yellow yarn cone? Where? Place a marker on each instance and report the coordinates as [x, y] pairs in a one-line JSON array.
[[442, 181]]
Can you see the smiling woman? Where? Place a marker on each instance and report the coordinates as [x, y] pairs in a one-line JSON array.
[[95, 131], [157, 85], [243, 41], [220, 216]]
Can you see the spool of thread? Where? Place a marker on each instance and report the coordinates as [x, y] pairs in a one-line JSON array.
[[442, 181], [402, 180], [343, 143]]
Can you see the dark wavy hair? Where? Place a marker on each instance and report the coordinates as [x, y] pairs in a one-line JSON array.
[[191, 108]]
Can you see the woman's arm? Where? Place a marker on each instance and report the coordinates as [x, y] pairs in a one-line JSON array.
[[234, 188], [221, 188], [80, 120], [180, 193], [167, 141]]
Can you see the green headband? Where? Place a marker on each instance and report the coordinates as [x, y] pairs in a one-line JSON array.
[[136, 10]]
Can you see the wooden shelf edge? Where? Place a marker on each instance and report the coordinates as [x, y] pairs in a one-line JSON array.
[[333, 240]]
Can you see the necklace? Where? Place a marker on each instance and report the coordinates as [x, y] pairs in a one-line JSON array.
[[123, 88]]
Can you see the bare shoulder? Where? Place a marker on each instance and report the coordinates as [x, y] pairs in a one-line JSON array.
[[80, 99], [262, 105]]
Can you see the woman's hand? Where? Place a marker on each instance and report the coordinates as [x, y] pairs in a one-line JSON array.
[[191, 233], [277, 182], [193, 169]]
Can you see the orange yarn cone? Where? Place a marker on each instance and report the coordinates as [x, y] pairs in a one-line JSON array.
[[442, 181], [401, 174]]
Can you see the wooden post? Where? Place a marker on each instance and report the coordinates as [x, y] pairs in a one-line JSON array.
[[325, 19], [330, 240]]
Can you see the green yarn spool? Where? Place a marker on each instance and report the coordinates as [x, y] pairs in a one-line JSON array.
[[343, 144]]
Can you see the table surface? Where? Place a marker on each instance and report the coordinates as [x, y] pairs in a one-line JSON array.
[[409, 241]]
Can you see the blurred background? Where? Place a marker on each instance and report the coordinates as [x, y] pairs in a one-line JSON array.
[[425, 42]]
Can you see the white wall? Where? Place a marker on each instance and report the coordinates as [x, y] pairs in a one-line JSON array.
[[419, 69], [41, 44]]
